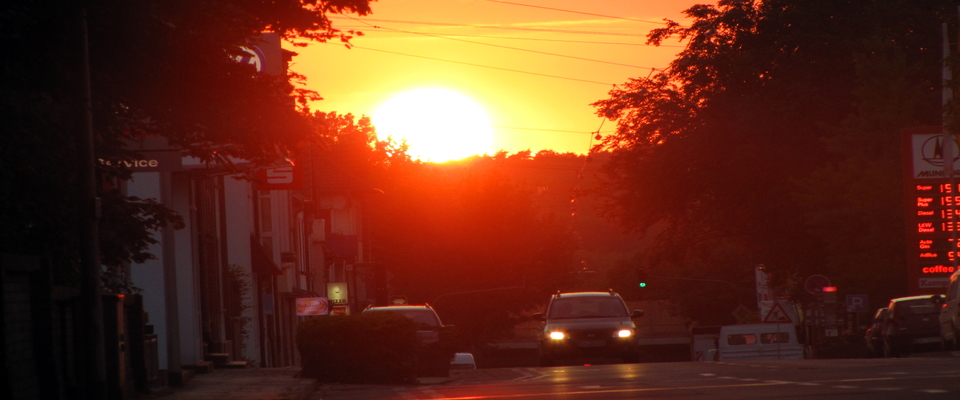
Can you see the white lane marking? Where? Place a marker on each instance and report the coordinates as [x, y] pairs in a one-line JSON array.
[[886, 388], [933, 391], [708, 375], [590, 387], [727, 377], [781, 382], [808, 383], [845, 387], [749, 379]]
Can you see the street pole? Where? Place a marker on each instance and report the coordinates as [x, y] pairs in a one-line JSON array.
[[91, 365]]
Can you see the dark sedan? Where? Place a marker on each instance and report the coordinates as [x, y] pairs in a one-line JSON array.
[[912, 323]]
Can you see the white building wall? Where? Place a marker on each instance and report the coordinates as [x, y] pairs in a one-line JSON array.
[[188, 291], [240, 202], [149, 275]]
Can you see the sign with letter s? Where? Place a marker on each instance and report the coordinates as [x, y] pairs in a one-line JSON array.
[[280, 178]]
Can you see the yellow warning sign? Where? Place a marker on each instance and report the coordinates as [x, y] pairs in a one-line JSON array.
[[777, 314]]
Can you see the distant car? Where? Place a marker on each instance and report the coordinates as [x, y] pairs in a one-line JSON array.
[[463, 361], [588, 324], [874, 335], [433, 338], [912, 323], [950, 315]]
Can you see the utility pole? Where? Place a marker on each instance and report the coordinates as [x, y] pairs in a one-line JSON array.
[[91, 366]]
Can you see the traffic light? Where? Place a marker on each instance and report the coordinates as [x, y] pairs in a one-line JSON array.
[[641, 278]]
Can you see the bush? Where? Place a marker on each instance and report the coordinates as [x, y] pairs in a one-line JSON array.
[[363, 348]]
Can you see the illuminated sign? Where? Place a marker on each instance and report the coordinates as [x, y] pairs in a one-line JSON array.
[[337, 292], [932, 202], [312, 306]]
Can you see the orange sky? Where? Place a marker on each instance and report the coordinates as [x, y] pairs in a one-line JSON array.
[[527, 109]]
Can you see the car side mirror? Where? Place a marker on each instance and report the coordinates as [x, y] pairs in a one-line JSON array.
[[636, 314], [538, 317]]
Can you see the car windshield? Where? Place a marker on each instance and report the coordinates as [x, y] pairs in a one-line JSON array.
[[587, 307], [420, 316], [916, 307]]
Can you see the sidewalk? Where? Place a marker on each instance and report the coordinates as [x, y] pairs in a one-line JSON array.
[[241, 384]]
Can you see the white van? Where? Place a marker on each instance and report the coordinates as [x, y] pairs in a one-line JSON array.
[[758, 342]]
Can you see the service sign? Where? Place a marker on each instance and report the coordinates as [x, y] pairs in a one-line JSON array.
[[307, 306]]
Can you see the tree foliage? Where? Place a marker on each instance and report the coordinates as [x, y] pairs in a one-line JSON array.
[[773, 138], [162, 68]]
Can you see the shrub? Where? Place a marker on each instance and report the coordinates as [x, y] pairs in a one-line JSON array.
[[363, 348]]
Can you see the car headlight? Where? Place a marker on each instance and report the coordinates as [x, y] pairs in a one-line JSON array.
[[556, 335], [625, 333]]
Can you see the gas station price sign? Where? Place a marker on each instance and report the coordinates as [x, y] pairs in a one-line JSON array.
[[932, 209]]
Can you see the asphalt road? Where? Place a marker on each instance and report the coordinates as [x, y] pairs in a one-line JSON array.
[[935, 376]]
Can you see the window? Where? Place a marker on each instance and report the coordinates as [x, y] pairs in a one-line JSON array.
[[741, 339], [588, 307], [774, 337]]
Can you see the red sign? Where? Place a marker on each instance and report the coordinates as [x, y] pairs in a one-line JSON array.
[[280, 178]]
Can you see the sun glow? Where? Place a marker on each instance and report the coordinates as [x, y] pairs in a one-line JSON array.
[[438, 124]]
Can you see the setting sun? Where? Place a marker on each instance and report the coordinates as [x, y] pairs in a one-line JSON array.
[[438, 124]]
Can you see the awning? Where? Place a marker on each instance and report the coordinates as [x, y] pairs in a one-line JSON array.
[[262, 263]]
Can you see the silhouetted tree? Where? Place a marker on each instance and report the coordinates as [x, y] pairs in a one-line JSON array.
[[162, 68], [772, 139]]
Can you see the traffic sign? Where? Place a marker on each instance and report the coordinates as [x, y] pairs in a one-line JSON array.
[[777, 314], [815, 283], [857, 303]]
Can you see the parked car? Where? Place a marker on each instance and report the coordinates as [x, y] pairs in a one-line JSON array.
[[912, 323], [463, 361], [950, 314], [757, 342], [588, 324], [874, 335], [435, 341]]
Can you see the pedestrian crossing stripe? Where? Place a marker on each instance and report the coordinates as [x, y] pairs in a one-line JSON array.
[[777, 314]]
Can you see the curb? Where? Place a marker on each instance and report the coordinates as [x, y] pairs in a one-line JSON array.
[[308, 390]]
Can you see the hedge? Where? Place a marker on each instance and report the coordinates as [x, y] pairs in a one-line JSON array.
[[362, 348]]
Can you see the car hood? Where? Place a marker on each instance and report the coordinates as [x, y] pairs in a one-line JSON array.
[[589, 323]]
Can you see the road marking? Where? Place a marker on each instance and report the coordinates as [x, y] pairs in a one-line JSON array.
[[846, 387], [591, 387], [595, 392], [808, 383], [708, 375], [749, 379], [432, 393], [933, 391]]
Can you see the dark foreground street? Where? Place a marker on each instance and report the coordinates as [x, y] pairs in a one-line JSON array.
[[935, 377]]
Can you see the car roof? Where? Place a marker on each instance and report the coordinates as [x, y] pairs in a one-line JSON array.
[[584, 294], [926, 296], [403, 307]]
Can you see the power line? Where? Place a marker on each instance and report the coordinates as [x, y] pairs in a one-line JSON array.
[[506, 47], [521, 38], [479, 65], [516, 28], [576, 12], [545, 130]]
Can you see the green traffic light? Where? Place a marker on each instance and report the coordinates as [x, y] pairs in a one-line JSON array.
[[643, 284]]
